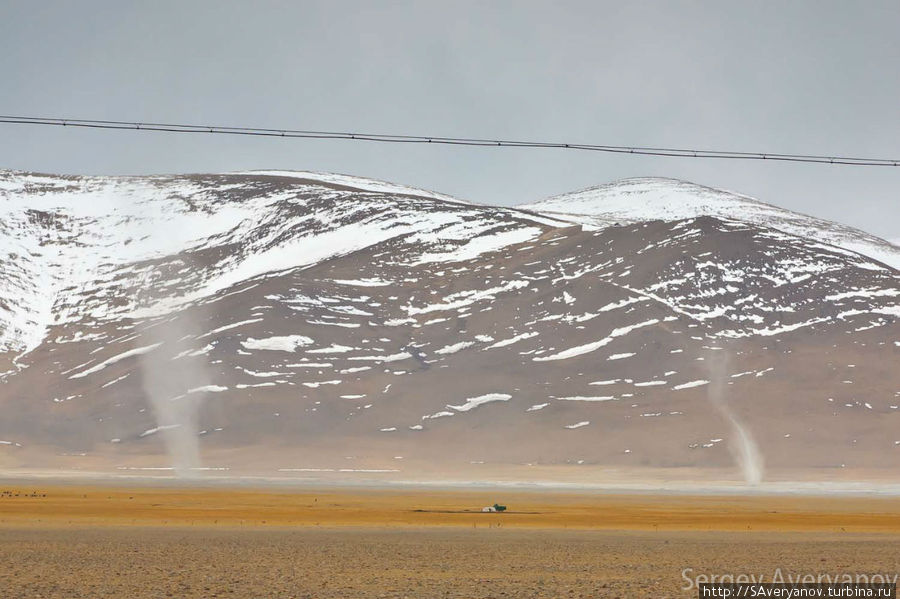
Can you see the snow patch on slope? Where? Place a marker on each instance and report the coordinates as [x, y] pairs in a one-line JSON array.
[[474, 402], [287, 343], [118, 357]]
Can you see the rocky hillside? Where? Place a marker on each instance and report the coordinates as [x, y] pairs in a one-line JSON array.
[[313, 326]]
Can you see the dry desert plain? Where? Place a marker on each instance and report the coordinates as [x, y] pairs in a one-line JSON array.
[[142, 541]]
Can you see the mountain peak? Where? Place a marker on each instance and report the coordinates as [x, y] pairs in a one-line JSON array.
[[646, 199], [652, 198]]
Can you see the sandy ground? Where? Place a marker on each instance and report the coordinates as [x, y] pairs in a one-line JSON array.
[[76, 541]]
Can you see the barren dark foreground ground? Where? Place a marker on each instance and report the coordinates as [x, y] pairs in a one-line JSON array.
[[151, 562]]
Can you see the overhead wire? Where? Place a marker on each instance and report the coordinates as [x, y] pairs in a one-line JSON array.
[[454, 141]]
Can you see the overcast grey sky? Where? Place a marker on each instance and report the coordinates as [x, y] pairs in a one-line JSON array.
[[809, 77]]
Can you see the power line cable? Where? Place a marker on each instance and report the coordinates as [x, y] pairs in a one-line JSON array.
[[458, 141]]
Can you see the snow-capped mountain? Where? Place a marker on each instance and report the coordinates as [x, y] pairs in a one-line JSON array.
[[94, 247], [312, 325], [644, 199]]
